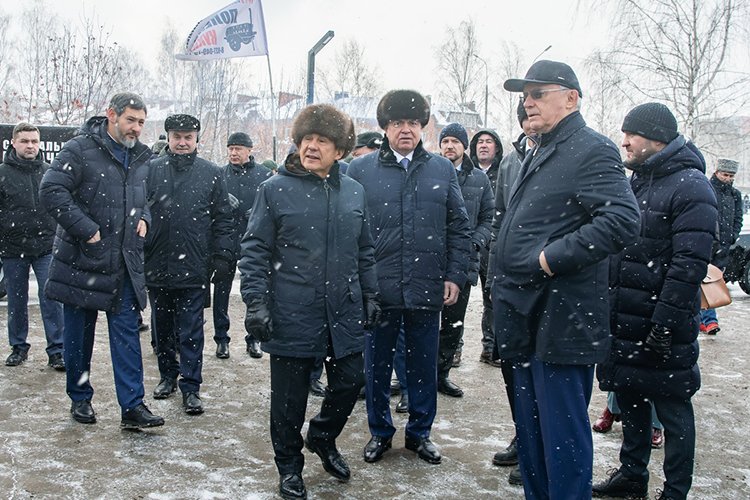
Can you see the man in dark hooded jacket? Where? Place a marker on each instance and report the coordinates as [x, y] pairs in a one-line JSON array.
[[190, 242], [96, 191], [655, 299]]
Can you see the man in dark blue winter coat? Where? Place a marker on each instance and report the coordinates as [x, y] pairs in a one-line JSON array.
[[309, 282], [243, 176], [478, 199], [189, 244], [422, 245], [570, 208], [729, 202], [655, 299], [96, 191], [26, 235]]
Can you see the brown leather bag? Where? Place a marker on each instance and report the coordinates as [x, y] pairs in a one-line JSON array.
[[714, 292]]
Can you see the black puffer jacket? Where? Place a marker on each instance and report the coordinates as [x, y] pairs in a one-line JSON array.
[[26, 229], [309, 252], [86, 190], [192, 221], [729, 201], [478, 198], [656, 280], [242, 182]]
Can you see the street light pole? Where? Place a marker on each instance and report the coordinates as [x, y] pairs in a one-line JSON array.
[[486, 88], [311, 64]]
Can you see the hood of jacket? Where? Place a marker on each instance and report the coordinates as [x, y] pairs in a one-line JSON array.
[[473, 147], [676, 156], [12, 158], [96, 129]]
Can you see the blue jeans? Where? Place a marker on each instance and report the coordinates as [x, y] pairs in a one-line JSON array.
[[17, 285], [124, 347], [421, 341], [709, 316]]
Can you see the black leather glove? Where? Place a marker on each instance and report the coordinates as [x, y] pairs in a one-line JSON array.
[[659, 342], [371, 303], [223, 269], [258, 320]]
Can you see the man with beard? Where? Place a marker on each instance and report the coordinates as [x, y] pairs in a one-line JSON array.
[[189, 242], [95, 189], [478, 199], [243, 176], [26, 235]]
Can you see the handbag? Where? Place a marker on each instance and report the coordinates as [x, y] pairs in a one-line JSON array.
[[714, 292]]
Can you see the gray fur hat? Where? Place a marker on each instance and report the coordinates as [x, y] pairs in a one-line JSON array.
[[325, 120], [727, 165], [403, 105]]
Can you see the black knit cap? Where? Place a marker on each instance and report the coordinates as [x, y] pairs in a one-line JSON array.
[[521, 111], [403, 105], [182, 122], [554, 72], [240, 139], [653, 121], [455, 130]]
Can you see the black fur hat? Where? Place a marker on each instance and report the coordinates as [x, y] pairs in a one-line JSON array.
[[182, 122], [325, 120], [403, 105]]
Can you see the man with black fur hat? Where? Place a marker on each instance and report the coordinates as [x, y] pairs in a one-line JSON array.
[[309, 282], [189, 242], [478, 199], [423, 239], [243, 176], [367, 142], [569, 210], [654, 299]]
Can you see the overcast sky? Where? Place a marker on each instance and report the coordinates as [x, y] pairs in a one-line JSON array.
[[399, 35]]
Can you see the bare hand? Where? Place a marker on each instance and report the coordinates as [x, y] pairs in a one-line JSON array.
[[450, 295], [142, 228], [543, 263], [95, 238]]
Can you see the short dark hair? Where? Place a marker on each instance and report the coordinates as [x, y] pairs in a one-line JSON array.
[[24, 127], [123, 100]]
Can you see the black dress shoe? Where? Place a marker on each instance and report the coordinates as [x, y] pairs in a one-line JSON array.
[[83, 412], [515, 477], [17, 356], [376, 448], [222, 350], [317, 388], [165, 388], [403, 404], [333, 462], [449, 388], [509, 456], [56, 362], [140, 417], [292, 487], [425, 449], [253, 349], [192, 403], [617, 485]]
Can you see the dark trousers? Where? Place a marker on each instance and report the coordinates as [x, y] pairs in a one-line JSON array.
[[421, 343], [290, 379], [222, 289], [17, 285], [679, 440], [555, 447], [488, 313], [178, 320], [124, 347], [506, 366], [451, 331]]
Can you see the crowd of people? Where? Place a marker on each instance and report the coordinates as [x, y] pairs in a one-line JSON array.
[[366, 268]]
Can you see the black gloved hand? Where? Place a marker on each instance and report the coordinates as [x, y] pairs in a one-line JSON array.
[[258, 320], [659, 342], [222, 269], [371, 304]]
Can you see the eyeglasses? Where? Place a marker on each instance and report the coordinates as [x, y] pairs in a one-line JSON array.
[[402, 123], [537, 94]]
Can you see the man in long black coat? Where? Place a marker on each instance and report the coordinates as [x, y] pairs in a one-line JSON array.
[[655, 302], [570, 208]]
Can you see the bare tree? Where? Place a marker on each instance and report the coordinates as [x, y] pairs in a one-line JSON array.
[[350, 72], [459, 73], [608, 98], [678, 52], [37, 26], [511, 64]]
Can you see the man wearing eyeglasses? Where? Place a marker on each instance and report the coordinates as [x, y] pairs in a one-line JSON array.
[[569, 210], [422, 243]]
